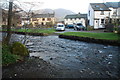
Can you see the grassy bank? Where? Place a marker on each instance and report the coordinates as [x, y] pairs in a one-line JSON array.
[[7, 57], [106, 36], [48, 31]]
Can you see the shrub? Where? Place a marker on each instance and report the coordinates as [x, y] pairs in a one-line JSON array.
[[7, 57], [118, 29], [115, 28], [6, 49], [30, 25], [49, 24], [109, 27], [90, 28], [4, 26], [19, 49]]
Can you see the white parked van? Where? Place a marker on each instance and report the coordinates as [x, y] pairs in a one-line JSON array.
[[60, 26]]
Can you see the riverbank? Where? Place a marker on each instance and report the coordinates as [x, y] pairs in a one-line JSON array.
[[101, 38], [34, 32], [32, 67]]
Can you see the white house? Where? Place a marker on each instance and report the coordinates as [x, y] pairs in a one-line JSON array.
[[115, 10], [75, 18], [99, 13]]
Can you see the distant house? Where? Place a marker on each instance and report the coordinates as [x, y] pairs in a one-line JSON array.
[[42, 19], [76, 18], [100, 13], [25, 20], [16, 19]]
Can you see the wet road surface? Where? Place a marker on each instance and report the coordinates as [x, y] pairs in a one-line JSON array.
[[66, 59]]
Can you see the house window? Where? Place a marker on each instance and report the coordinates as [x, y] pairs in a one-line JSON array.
[[102, 13], [115, 11], [49, 19], [43, 19], [102, 21], [42, 23], [110, 21], [89, 13], [68, 19], [36, 23], [96, 21], [34, 19], [88, 21]]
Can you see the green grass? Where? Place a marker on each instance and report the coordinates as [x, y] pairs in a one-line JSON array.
[[48, 31], [106, 36], [7, 57]]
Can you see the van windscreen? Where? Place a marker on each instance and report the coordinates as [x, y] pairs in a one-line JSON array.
[[60, 25]]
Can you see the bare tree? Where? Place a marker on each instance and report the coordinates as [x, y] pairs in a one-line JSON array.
[[7, 39], [22, 6], [28, 12]]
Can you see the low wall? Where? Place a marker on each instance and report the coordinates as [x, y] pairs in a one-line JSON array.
[[93, 40]]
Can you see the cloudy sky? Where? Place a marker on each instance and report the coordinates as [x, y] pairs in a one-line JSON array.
[[73, 5]]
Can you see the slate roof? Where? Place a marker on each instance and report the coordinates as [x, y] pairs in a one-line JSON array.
[[99, 7], [43, 15], [74, 16], [113, 4]]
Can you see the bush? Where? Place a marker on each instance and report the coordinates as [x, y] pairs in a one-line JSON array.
[[19, 49], [49, 24], [118, 30], [109, 27], [6, 49], [4, 26], [90, 28], [7, 57], [30, 25]]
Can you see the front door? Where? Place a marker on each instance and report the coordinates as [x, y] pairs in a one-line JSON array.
[[96, 24]]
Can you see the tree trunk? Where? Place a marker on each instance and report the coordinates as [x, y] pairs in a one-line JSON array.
[[7, 40]]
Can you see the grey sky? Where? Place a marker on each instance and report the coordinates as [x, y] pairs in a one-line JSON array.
[[73, 5]]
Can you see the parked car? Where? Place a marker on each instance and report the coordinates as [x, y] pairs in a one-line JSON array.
[[79, 26], [60, 26], [70, 26]]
